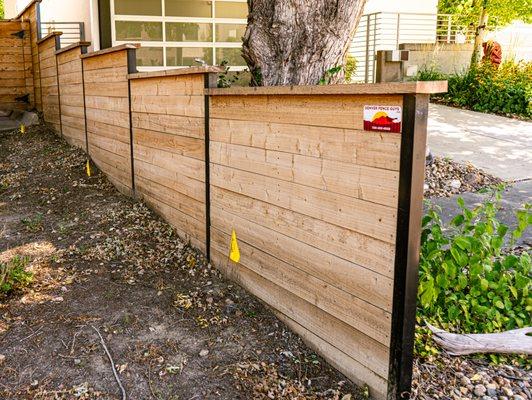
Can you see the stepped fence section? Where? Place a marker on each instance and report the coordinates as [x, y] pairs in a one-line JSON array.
[[327, 213]]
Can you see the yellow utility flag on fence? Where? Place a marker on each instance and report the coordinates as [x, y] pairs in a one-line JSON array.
[[234, 254], [88, 168]]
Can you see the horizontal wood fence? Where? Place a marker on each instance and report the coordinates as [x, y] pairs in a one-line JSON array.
[[327, 213], [16, 71]]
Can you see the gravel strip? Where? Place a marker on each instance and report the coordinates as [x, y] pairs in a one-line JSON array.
[[444, 178]]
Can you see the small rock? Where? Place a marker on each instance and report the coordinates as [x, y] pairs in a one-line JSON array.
[[204, 353], [455, 184], [518, 397], [507, 391], [492, 389], [2, 358], [77, 361], [465, 381], [58, 299], [479, 390]]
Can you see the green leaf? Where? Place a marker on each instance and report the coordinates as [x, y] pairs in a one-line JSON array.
[[463, 243]]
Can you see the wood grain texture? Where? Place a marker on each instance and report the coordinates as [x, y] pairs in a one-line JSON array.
[[364, 359], [313, 200], [16, 75], [168, 119], [107, 113], [71, 92], [49, 82]]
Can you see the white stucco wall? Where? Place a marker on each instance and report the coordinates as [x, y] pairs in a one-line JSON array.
[[402, 6], [57, 11]]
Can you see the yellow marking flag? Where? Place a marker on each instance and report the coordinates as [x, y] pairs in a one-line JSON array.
[[88, 168], [234, 254], [22, 128]]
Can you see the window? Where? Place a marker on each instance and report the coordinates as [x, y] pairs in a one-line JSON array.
[[231, 9], [188, 32], [233, 56], [139, 31], [137, 7], [230, 32], [174, 33], [188, 8], [150, 57], [186, 56]]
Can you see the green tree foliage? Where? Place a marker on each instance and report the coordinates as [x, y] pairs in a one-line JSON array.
[[1, 9], [501, 12]]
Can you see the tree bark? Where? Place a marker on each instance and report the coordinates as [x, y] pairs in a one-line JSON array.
[[516, 341], [479, 35], [295, 42]]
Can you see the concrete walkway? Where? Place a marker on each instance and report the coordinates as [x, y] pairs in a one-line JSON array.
[[501, 146]]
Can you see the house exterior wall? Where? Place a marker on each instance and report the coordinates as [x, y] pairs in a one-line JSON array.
[[56, 11]]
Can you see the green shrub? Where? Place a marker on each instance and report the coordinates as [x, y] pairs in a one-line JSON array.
[[429, 74], [350, 68], [13, 274], [503, 90], [467, 282]]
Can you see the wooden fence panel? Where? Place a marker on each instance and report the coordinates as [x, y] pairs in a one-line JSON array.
[[71, 92], [105, 75], [49, 79], [30, 15], [16, 77], [313, 200], [326, 205], [168, 119]]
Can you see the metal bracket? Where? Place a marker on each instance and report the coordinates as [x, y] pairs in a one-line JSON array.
[[20, 34]]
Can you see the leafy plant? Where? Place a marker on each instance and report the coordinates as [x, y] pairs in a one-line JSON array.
[[13, 274], [430, 73], [350, 68], [226, 78], [34, 224], [329, 74], [467, 282], [503, 90]]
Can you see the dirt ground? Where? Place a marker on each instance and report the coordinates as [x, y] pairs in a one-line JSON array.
[[101, 261]]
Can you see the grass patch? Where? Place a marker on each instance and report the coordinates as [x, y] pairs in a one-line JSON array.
[[13, 274]]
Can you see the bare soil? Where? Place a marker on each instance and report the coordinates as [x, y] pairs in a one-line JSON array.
[[174, 327]]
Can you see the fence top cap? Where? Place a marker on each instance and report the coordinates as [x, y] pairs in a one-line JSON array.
[[120, 47], [177, 71], [72, 46], [417, 87], [51, 34]]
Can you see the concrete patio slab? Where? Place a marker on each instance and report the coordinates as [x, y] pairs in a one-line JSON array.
[[501, 146]]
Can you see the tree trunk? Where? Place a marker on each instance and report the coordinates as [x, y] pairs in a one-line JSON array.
[[295, 42], [479, 35]]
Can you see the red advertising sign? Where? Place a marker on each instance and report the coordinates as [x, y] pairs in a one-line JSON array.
[[382, 118]]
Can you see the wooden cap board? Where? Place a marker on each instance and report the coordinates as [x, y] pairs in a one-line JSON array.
[[418, 87], [72, 46]]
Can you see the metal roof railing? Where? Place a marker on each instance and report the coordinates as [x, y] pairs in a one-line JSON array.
[[72, 31]]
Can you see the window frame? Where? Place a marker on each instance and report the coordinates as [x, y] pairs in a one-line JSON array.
[[213, 45]]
